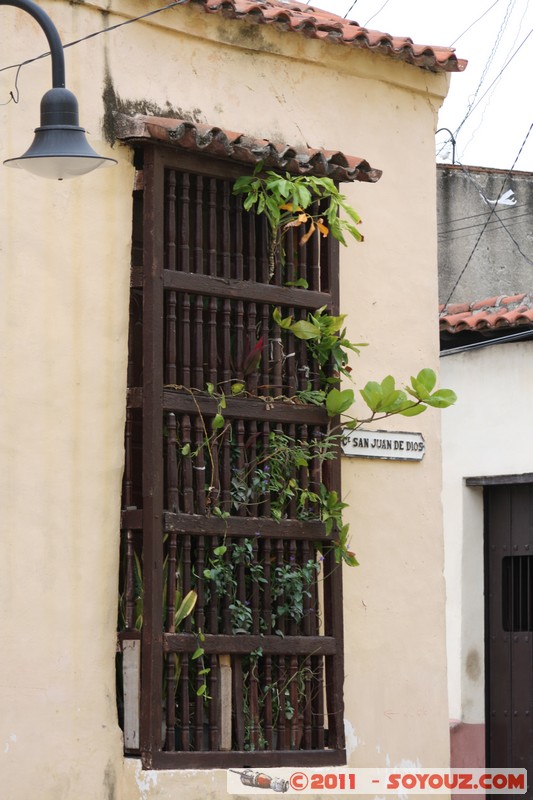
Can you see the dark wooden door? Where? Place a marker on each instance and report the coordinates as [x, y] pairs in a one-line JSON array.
[[509, 626]]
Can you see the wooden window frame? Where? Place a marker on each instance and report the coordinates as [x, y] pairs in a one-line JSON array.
[[150, 401]]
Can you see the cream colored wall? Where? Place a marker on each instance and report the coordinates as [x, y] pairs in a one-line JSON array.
[[63, 333], [485, 434]]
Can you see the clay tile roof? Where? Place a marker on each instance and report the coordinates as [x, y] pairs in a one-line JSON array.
[[211, 140], [487, 316], [315, 23]]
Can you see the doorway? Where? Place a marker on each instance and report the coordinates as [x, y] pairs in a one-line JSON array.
[[509, 626]]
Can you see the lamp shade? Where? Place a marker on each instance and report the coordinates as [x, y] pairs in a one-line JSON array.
[[60, 149]]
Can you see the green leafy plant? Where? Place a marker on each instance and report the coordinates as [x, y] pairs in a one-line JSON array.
[[290, 202]]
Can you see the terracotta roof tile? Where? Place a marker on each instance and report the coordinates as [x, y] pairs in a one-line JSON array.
[[214, 141], [487, 315], [316, 23]]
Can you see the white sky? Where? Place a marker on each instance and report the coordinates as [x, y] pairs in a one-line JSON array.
[[495, 130]]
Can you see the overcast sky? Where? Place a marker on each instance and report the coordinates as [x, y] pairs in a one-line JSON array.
[[500, 96]]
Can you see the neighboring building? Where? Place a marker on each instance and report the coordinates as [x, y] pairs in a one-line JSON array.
[[491, 205], [487, 347], [92, 344]]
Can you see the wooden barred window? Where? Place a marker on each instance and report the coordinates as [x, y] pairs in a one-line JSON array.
[[254, 675]]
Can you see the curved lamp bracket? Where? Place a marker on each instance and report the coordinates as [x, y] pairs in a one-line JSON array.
[[60, 149]]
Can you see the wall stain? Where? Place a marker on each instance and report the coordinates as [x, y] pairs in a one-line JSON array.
[[110, 781], [115, 105], [473, 665]]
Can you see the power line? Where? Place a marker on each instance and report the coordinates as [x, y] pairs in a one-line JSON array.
[[377, 12], [476, 226], [472, 103], [497, 78], [350, 9], [95, 33], [474, 23]]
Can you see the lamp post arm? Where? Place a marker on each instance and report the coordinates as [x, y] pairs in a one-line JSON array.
[[51, 33]]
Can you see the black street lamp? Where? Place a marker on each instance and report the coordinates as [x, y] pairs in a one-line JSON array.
[[60, 149]]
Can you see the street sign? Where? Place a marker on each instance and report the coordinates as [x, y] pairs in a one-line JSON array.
[[396, 445]]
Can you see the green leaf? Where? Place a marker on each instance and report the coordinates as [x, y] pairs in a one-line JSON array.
[[442, 398], [186, 607], [372, 394], [279, 320], [185, 450], [220, 550], [201, 690], [218, 422], [413, 411], [198, 653], [427, 378], [338, 401], [305, 330], [419, 390], [237, 388], [301, 282]]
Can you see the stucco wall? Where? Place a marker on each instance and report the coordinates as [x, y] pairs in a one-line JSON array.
[[63, 331], [495, 264], [480, 438]]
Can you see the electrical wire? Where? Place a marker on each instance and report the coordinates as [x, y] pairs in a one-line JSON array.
[[386, 3], [92, 35], [497, 78], [472, 103], [493, 210], [474, 23], [351, 8]]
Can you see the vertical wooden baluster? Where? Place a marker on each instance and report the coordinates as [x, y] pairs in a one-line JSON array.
[[313, 249], [267, 618], [185, 266], [238, 354], [329, 266], [212, 355], [172, 497], [188, 507], [296, 718], [184, 712], [199, 708], [255, 724], [303, 472], [198, 267], [187, 470], [318, 702], [251, 466], [265, 448], [186, 664], [251, 317], [170, 350], [282, 668], [306, 624], [289, 379], [242, 468], [264, 309], [214, 704], [199, 467], [225, 477], [226, 272], [255, 597], [293, 501], [315, 473]]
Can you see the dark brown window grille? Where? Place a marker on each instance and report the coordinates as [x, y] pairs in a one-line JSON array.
[[267, 685], [517, 593]]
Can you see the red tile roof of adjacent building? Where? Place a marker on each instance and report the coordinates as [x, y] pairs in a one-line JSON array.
[[316, 23], [487, 315], [194, 137]]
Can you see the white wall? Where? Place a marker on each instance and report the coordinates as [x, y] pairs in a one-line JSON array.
[[488, 432]]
